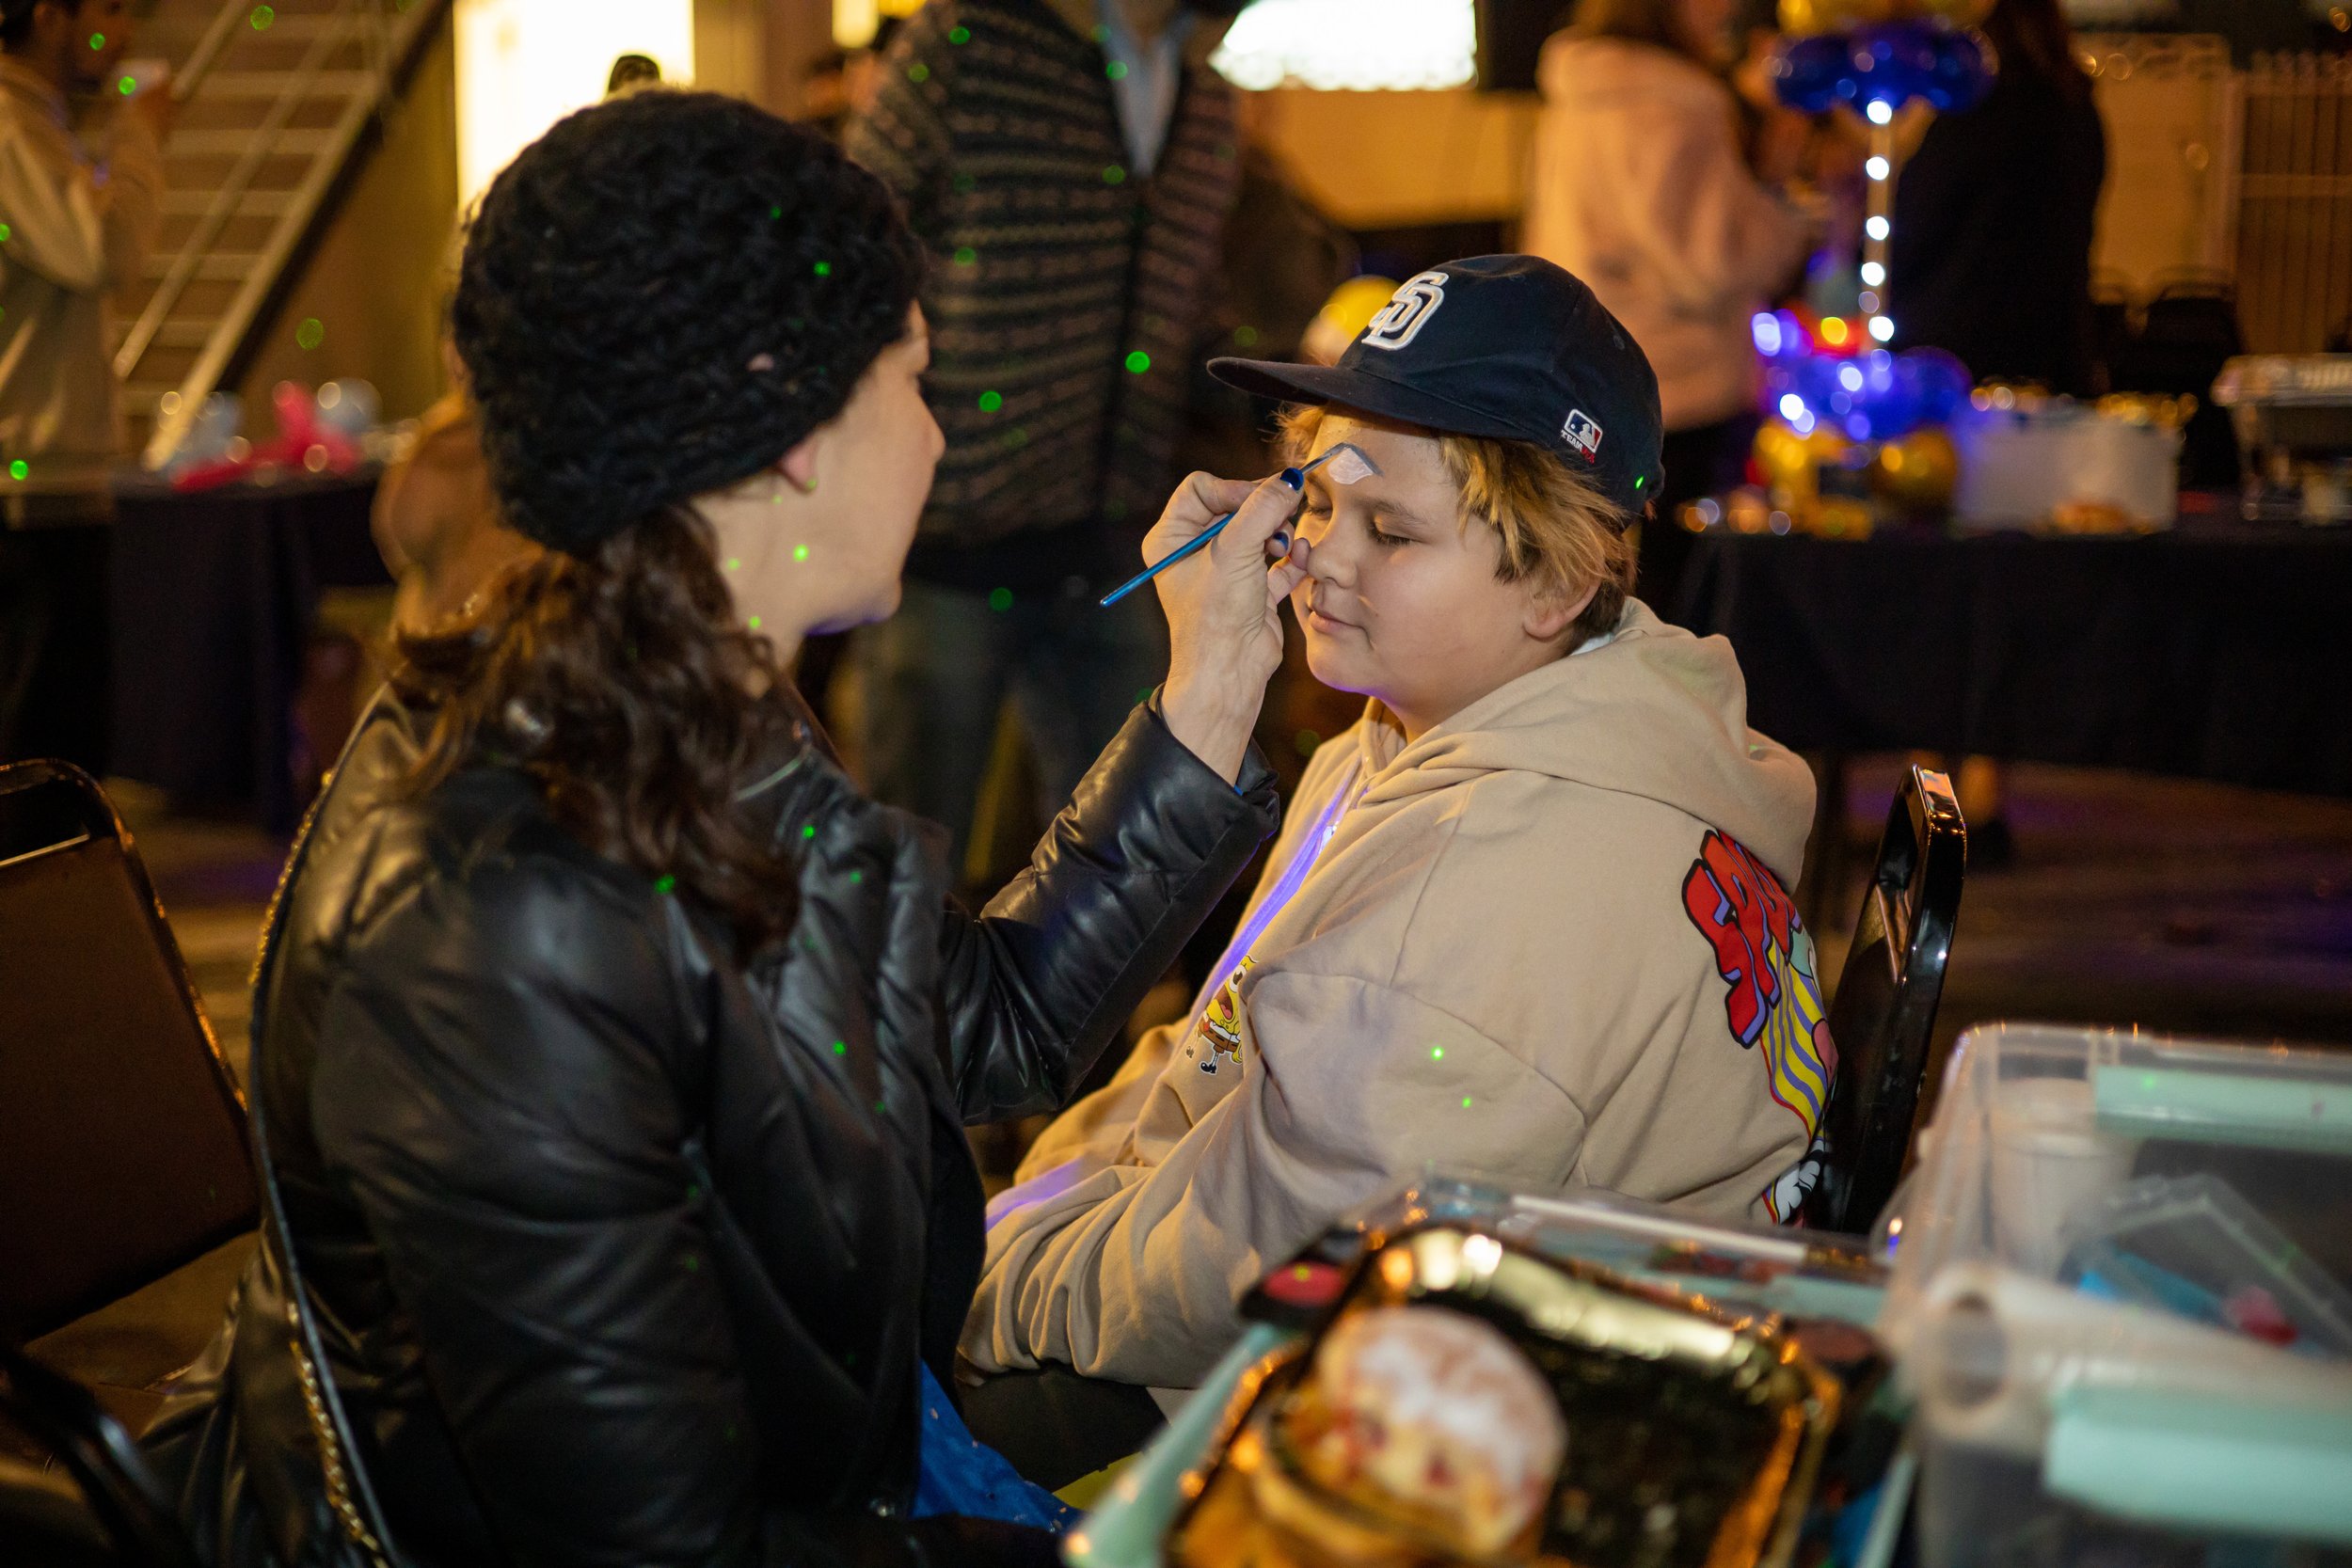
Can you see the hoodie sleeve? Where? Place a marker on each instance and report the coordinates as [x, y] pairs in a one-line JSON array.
[[1708, 231], [1132, 1272], [82, 226]]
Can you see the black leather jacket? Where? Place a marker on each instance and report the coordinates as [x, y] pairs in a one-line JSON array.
[[626, 1252]]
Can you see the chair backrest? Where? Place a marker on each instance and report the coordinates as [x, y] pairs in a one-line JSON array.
[[123, 1137], [121, 1501], [1884, 1012]]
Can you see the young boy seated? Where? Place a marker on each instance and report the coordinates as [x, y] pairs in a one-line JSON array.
[[1528, 919]]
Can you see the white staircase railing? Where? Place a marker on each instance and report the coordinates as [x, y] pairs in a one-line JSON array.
[[350, 53]]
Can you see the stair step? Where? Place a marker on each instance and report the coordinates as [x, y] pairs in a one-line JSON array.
[[252, 204], [221, 266], [273, 83], [230, 144], [184, 334]]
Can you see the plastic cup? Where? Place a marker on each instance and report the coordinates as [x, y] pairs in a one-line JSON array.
[[2049, 1162]]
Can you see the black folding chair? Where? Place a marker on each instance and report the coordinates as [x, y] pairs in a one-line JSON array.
[[97, 1502], [122, 1138], [1884, 1012]]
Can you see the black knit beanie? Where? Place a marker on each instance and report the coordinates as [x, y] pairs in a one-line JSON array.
[[661, 297]]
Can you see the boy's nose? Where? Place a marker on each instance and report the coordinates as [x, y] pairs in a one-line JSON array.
[[1325, 561]]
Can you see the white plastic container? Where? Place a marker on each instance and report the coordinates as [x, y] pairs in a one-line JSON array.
[[2210, 1418], [2019, 467]]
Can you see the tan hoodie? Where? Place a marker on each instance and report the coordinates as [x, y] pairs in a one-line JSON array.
[[1639, 188], [82, 210], [1522, 952]]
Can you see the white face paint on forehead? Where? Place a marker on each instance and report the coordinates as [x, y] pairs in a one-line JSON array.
[[1347, 464]]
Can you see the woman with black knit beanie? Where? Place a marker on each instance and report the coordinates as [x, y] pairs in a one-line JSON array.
[[610, 1054]]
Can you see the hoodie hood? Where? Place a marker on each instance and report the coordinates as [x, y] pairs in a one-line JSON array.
[[1652, 711]]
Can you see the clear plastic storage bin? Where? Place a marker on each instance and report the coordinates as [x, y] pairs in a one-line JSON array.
[[2122, 1300]]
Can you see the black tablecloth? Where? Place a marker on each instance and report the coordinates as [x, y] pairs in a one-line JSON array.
[[214, 598], [2218, 651]]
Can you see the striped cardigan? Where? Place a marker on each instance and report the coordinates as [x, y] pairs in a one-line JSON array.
[[1068, 295]]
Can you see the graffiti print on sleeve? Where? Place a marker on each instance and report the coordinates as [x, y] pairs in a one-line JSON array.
[[1766, 956]]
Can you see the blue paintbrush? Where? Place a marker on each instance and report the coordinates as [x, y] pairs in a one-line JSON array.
[[1353, 466]]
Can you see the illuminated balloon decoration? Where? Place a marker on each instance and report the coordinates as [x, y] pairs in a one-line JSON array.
[[1889, 63], [1863, 393], [1855, 429]]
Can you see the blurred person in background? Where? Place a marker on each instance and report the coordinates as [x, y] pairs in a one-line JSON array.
[[436, 519], [1991, 257], [1070, 167], [81, 187], [1642, 188], [1991, 254]]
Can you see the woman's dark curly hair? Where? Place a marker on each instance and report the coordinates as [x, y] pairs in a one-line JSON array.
[[658, 298]]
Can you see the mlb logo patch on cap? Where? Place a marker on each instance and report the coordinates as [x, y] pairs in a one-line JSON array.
[[1582, 433]]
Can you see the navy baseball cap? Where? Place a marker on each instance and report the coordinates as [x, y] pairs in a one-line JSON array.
[[1507, 347]]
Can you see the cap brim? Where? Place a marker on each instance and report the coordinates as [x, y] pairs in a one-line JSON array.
[[1334, 385]]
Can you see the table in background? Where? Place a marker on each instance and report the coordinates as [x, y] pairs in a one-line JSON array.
[[2218, 651], [215, 597]]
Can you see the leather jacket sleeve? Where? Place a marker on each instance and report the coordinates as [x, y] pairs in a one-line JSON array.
[[1043, 980], [501, 1088]]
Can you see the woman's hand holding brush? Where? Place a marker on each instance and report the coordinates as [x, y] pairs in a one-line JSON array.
[[1223, 602]]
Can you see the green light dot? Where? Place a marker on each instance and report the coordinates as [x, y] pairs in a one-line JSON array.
[[965, 255], [857, 878], [1017, 438], [311, 333], [824, 269], [129, 85], [1116, 70], [1466, 1098], [97, 41], [841, 1048], [693, 1264], [918, 73], [1306, 741], [1246, 336], [881, 1108], [262, 16], [991, 401], [1114, 175], [1138, 362], [799, 552], [1639, 483], [1000, 599], [1437, 1052], [5, 233], [666, 884], [693, 1192], [775, 212], [958, 35], [19, 470], [755, 623], [734, 564]]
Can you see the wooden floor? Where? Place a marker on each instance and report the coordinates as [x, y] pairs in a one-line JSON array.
[[2178, 907]]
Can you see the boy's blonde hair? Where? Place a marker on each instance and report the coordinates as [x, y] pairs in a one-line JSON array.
[[1556, 528]]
